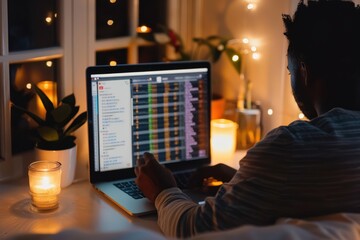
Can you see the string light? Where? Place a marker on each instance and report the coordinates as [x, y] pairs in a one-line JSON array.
[[49, 63], [112, 1], [48, 20], [246, 48], [256, 55], [112, 63], [28, 85], [220, 47], [287, 115], [250, 6], [110, 22], [235, 58]]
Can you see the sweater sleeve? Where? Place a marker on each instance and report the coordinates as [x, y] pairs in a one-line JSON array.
[[171, 204], [251, 197]]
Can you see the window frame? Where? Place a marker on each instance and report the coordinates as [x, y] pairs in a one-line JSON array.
[[77, 50], [13, 165]]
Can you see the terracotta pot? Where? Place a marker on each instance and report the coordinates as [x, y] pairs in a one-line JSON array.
[[217, 107], [66, 157]]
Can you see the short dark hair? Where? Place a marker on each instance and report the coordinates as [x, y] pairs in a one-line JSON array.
[[325, 35]]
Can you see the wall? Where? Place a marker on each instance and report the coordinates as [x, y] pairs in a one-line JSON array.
[[268, 74]]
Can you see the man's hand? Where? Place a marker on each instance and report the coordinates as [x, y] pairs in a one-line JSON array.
[[220, 172], [151, 177]]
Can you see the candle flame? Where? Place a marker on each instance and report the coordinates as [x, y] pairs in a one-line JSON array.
[[143, 29], [45, 183]]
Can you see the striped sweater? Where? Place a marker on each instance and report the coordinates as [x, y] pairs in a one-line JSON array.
[[301, 170]]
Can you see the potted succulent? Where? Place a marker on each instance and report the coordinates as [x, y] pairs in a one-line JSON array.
[[54, 139]]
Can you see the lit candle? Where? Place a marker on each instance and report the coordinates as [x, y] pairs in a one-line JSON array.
[[143, 29], [44, 182], [223, 141], [50, 90]]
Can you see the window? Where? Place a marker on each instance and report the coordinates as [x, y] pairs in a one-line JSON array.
[[32, 56], [53, 41], [32, 51], [45, 75], [32, 24], [116, 24]]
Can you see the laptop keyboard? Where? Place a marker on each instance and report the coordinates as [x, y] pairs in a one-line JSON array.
[[130, 187]]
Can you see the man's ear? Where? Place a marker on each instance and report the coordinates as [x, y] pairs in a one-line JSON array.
[[304, 73]]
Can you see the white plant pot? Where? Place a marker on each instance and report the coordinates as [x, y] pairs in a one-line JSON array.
[[66, 157]]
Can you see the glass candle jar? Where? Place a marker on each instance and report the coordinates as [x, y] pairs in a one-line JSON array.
[[249, 131], [44, 183]]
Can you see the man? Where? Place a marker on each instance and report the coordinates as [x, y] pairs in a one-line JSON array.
[[309, 168]]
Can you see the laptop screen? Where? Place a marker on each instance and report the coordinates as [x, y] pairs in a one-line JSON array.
[[162, 108]]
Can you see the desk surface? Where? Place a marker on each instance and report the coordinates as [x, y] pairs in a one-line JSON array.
[[81, 207]]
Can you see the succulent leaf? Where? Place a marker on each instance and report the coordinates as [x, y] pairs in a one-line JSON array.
[[61, 113], [51, 133], [66, 121], [44, 99], [70, 99], [64, 143], [35, 117], [78, 122], [48, 133]]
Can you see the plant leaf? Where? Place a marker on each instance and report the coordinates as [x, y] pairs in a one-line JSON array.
[[199, 40], [78, 122], [48, 133], [213, 37], [61, 113], [65, 142], [49, 106], [237, 64], [35, 117], [184, 56], [74, 111], [216, 54], [70, 99]]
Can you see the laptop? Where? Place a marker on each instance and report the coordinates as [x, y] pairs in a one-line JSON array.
[[162, 108]]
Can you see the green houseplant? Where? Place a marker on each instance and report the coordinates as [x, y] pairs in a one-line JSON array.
[[54, 139], [215, 46], [55, 131], [208, 48]]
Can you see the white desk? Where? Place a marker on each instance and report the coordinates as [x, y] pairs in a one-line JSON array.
[[81, 207]]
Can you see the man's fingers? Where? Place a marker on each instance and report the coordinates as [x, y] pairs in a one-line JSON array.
[[150, 160], [136, 170], [144, 163], [148, 156], [140, 161]]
